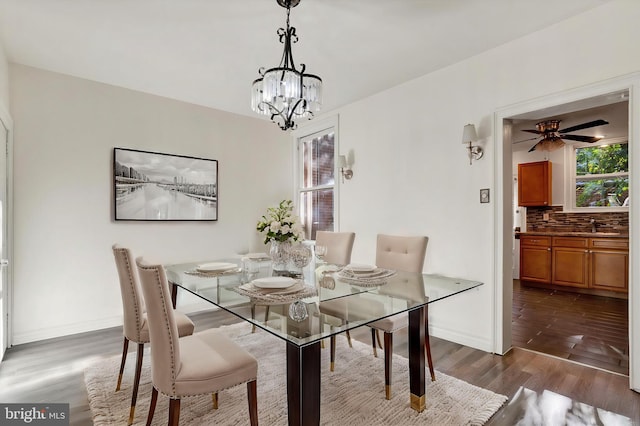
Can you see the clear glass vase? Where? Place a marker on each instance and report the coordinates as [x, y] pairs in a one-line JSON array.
[[280, 253]]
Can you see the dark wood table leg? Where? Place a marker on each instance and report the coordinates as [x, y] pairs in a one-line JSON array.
[[174, 294], [303, 384], [416, 359]]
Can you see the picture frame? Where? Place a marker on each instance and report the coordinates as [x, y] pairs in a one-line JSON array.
[[154, 186]]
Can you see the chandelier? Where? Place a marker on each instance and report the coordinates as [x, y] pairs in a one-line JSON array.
[[285, 93]]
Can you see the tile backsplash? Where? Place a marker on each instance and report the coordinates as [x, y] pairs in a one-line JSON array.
[[575, 222]]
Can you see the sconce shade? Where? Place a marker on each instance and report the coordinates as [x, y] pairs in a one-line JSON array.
[[469, 134], [342, 162]]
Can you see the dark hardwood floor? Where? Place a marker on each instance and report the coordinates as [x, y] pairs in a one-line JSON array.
[[52, 371], [593, 330]]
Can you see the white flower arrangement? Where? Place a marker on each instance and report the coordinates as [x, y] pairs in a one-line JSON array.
[[279, 224]]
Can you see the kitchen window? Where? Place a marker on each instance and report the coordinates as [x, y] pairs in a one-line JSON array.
[[316, 182], [600, 176]]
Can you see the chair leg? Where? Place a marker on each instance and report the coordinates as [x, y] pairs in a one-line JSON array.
[[136, 383], [174, 412], [125, 349], [252, 394], [373, 342], [349, 338], [427, 344], [152, 405], [332, 356], [253, 317], [378, 337], [388, 356], [214, 398]]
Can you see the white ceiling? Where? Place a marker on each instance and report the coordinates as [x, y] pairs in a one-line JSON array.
[[208, 52]]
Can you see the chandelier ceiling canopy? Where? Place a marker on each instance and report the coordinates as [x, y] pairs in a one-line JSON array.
[[286, 93]]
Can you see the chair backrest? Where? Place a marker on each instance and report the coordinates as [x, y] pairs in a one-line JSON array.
[[163, 331], [404, 253], [132, 301], [339, 246]]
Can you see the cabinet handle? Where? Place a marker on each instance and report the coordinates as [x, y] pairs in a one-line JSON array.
[[549, 249]]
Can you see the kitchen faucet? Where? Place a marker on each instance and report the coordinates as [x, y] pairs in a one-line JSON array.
[[593, 225]]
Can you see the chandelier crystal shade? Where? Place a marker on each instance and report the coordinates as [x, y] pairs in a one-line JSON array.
[[286, 93]]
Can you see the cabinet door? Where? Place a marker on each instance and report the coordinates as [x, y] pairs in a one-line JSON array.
[[570, 266], [534, 184], [609, 270], [535, 264]]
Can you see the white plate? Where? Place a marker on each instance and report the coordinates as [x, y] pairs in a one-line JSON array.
[[257, 256], [216, 267], [274, 282], [358, 267]]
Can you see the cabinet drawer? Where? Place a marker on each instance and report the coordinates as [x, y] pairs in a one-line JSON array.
[[570, 242], [610, 243], [529, 240]]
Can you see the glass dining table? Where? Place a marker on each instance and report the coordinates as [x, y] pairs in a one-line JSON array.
[[325, 302]]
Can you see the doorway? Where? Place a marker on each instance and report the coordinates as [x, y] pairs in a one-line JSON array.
[[571, 322], [560, 103], [4, 235]]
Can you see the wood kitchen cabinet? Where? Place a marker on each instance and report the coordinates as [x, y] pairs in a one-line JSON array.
[[609, 264], [587, 263], [534, 184], [535, 258], [570, 261]]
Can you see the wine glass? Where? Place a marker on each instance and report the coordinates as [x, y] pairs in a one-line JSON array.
[[250, 269], [321, 252]]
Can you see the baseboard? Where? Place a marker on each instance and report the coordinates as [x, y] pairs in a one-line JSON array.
[[453, 335], [88, 326], [65, 330]]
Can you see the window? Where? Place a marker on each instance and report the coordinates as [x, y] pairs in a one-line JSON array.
[[316, 181], [601, 176]]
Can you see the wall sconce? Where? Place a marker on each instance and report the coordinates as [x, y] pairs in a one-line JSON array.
[[469, 136], [345, 169]]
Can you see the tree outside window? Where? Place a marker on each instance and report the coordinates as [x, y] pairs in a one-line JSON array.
[[602, 176]]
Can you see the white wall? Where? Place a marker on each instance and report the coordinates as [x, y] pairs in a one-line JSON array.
[[65, 130], [412, 175], [4, 79]]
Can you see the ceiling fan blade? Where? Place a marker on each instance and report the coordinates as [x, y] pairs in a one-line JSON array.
[[533, 148], [537, 132], [584, 126], [579, 138]]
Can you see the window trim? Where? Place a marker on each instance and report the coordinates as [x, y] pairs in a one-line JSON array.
[[302, 132], [570, 159]]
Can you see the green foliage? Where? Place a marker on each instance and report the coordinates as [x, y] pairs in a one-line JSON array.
[[602, 160]]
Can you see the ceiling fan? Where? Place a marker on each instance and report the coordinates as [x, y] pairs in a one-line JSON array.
[[552, 135]]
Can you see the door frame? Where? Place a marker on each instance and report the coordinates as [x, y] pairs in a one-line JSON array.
[[7, 121], [503, 216]]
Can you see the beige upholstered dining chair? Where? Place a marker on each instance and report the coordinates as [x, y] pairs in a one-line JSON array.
[[404, 253], [135, 325], [339, 246], [204, 363]]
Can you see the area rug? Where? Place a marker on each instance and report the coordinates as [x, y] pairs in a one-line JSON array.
[[353, 394]]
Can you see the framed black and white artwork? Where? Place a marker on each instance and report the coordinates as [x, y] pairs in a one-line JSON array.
[[164, 187]]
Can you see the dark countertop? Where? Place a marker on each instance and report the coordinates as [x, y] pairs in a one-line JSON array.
[[574, 234]]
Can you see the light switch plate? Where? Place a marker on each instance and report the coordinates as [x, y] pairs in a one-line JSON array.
[[484, 195]]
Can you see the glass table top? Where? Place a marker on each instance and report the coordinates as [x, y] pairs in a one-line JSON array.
[[329, 300]]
